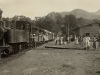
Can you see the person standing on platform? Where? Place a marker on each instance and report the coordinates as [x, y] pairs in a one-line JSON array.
[[95, 43], [68, 39], [64, 40], [61, 40], [87, 42], [84, 41], [34, 40], [56, 40], [77, 40]]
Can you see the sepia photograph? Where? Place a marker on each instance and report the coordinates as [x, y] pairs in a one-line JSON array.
[[49, 37]]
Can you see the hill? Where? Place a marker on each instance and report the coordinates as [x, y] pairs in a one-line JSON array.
[[79, 13]]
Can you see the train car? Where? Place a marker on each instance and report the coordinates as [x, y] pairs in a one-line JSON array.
[[37, 35], [41, 35]]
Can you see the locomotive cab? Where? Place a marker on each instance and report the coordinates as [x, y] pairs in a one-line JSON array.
[[18, 36]]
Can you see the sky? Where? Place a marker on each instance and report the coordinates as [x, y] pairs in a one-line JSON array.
[[39, 8]]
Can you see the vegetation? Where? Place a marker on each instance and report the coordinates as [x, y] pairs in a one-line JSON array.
[[55, 22]]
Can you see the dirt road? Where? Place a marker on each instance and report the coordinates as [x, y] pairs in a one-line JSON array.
[[47, 61]]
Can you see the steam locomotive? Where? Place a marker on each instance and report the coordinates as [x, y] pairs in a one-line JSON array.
[[20, 36]]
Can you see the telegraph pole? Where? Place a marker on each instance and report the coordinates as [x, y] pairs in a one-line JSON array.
[[68, 32], [68, 29]]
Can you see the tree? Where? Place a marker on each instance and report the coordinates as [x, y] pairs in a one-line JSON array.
[[52, 22], [96, 20], [70, 23], [82, 21], [58, 23]]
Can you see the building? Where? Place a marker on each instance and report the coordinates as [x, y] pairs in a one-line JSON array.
[[93, 30]]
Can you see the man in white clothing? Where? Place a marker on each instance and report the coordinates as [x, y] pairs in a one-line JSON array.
[[87, 42], [56, 39], [84, 41]]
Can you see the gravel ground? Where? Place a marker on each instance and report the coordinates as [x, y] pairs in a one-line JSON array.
[[48, 61]]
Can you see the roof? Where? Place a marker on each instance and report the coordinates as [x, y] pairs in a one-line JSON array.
[[87, 25]]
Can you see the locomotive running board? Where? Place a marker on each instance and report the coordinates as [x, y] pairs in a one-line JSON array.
[[3, 47]]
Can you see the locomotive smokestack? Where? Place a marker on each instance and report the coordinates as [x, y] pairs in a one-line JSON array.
[[1, 15]]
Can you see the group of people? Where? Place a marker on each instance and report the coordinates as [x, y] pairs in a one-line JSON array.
[[59, 40], [62, 39], [84, 41]]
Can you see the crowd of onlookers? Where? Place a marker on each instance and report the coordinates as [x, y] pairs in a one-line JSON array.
[[85, 41]]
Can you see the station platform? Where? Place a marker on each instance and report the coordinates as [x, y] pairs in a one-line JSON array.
[[70, 45]]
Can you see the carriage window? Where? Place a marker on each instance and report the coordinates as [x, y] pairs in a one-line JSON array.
[[23, 27], [28, 27], [20, 25]]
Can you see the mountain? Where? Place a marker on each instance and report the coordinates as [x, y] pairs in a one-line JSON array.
[[97, 12], [79, 13]]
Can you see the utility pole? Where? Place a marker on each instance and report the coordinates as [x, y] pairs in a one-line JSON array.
[[68, 30]]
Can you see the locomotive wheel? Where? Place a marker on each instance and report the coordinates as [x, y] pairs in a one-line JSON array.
[[23, 46], [34, 45], [26, 46], [30, 45], [11, 50], [15, 49], [19, 47], [4, 53]]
